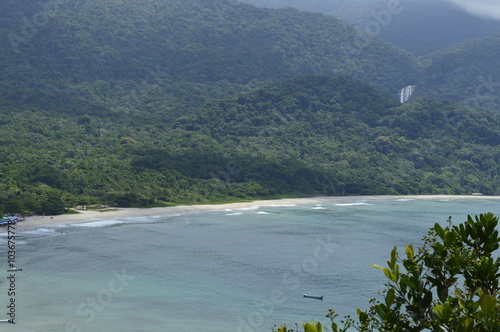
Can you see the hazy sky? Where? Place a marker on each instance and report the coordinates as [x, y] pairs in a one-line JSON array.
[[488, 8]]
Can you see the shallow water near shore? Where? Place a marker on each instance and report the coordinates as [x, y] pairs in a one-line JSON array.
[[218, 271]]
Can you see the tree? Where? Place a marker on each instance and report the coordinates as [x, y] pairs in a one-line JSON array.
[[451, 283], [13, 206], [53, 204]]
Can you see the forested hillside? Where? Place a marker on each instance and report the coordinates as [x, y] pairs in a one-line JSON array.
[[165, 101], [314, 135], [358, 138], [468, 72], [155, 55]]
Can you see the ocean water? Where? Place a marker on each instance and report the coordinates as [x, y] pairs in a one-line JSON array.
[[219, 271]]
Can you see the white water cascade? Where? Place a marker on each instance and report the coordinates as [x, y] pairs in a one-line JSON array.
[[406, 93]]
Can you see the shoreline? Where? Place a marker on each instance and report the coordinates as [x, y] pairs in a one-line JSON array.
[[95, 215]]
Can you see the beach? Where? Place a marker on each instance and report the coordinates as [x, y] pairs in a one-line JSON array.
[[110, 213]]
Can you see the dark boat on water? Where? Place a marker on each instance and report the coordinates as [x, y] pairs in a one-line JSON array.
[[314, 297]]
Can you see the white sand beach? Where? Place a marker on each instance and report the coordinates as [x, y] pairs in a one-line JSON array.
[[89, 215]]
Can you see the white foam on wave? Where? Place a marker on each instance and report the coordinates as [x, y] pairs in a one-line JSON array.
[[318, 208], [39, 231], [36, 232], [257, 207], [127, 220], [250, 208], [353, 204], [5, 242], [101, 223], [234, 214], [405, 199], [263, 212]]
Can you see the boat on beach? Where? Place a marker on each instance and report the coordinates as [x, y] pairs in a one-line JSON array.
[[314, 297], [5, 221]]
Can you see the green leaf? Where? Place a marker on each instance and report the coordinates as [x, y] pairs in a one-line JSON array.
[[389, 297], [410, 253], [381, 311], [384, 269], [487, 303], [394, 258], [439, 230], [313, 327], [427, 300], [363, 316], [309, 328], [388, 273], [376, 266], [469, 322], [447, 310], [444, 311]]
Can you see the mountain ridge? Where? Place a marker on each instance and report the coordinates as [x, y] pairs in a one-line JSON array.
[[465, 72], [410, 27]]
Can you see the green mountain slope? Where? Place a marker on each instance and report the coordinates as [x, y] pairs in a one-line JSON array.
[[169, 56], [309, 136], [468, 72], [362, 140]]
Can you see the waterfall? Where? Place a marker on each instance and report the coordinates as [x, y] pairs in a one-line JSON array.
[[406, 93]]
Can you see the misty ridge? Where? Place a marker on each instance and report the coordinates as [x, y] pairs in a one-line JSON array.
[[418, 26]]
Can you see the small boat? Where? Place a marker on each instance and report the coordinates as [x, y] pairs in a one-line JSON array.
[[314, 297]]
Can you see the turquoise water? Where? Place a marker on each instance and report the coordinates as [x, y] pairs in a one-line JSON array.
[[220, 271]]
